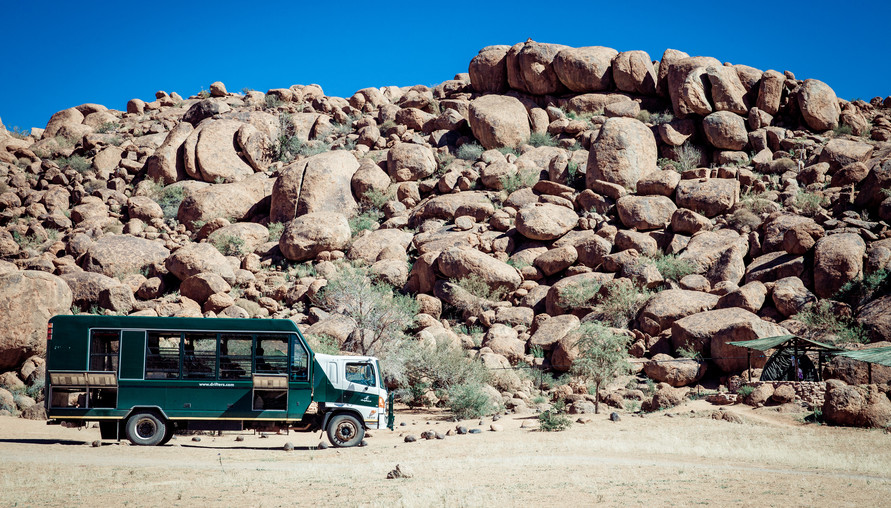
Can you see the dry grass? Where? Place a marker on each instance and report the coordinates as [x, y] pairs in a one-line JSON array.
[[655, 460]]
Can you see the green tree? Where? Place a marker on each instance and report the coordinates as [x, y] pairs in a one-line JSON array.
[[381, 315], [602, 356]]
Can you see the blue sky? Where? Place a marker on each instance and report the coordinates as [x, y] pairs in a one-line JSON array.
[[60, 54]]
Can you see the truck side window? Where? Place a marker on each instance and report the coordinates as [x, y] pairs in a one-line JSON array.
[[299, 360], [200, 355], [235, 356], [162, 360], [271, 354], [104, 346], [360, 373]]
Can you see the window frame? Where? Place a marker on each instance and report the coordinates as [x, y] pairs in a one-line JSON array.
[[115, 356]]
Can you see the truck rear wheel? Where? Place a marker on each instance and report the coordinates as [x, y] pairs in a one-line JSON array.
[[345, 430], [146, 429]]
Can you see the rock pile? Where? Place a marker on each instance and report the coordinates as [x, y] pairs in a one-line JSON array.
[[553, 178]]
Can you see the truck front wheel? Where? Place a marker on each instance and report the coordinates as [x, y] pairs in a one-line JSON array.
[[146, 429], [345, 430]]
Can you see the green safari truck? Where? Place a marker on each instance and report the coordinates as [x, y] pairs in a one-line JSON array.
[[144, 378]]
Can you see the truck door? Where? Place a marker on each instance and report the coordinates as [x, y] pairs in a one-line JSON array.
[[299, 386]]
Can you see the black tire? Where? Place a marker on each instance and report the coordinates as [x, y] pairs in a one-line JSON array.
[[171, 430], [345, 430], [146, 429]]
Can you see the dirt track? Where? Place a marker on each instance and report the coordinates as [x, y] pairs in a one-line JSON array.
[[685, 459]]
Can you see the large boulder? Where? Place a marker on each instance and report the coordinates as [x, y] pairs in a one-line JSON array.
[[875, 318], [666, 307], [326, 184], [545, 221], [409, 162], [244, 237], [710, 332], [458, 263], [380, 244], [310, 234], [725, 130], [819, 105], [727, 90], [488, 70], [215, 152], [120, 255], [774, 266], [645, 212], [790, 296], [839, 153], [195, 258], [503, 340], [28, 299], [838, 259], [552, 330], [87, 286], [530, 68], [710, 197], [199, 287], [858, 406], [687, 79], [587, 69], [633, 72], [770, 91], [623, 153], [166, 164], [676, 372], [498, 121], [718, 255], [231, 200]]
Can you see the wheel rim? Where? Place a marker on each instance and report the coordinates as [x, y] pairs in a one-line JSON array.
[[345, 431], [146, 428]]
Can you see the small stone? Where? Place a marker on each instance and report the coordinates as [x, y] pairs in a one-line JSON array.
[[96, 444], [475, 431], [288, 447], [239, 439], [322, 446], [614, 416], [496, 428], [480, 422], [496, 418], [440, 435], [399, 472], [196, 439], [363, 443], [402, 424], [368, 434], [461, 429], [410, 438]]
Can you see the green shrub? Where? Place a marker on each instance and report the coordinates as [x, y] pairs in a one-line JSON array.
[[168, 198], [757, 203], [744, 391], [575, 178], [230, 245], [554, 419], [823, 323], [470, 151], [367, 220], [287, 145], [509, 150], [474, 332], [78, 163], [538, 139], [272, 102], [743, 218], [475, 285], [809, 203], [518, 180], [469, 400], [688, 156], [418, 368], [842, 130], [860, 291], [108, 127], [275, 231], [518, 263], [386, 126], [203, 94], [671, 267], [621, 304], [536, 351], [656, 118], [580, 295]]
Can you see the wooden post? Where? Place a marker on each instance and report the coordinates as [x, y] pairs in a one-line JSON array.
[[869, 371], [749, 359]]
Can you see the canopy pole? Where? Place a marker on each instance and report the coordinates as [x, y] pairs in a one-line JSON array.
[[869, 371], [749, 359]]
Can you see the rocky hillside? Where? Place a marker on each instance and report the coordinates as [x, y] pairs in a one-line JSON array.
[[684, 202]]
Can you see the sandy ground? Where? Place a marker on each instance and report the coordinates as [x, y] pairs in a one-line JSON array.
[[676, 458]]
